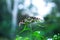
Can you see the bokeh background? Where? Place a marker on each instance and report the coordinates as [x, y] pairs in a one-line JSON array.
[[29, 19]]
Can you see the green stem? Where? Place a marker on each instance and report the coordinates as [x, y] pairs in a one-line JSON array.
[[23, 29]]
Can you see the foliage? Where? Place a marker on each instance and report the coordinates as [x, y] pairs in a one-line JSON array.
[[31, 28]]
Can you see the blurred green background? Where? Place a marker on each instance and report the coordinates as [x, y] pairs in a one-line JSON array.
[[31, 28]]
